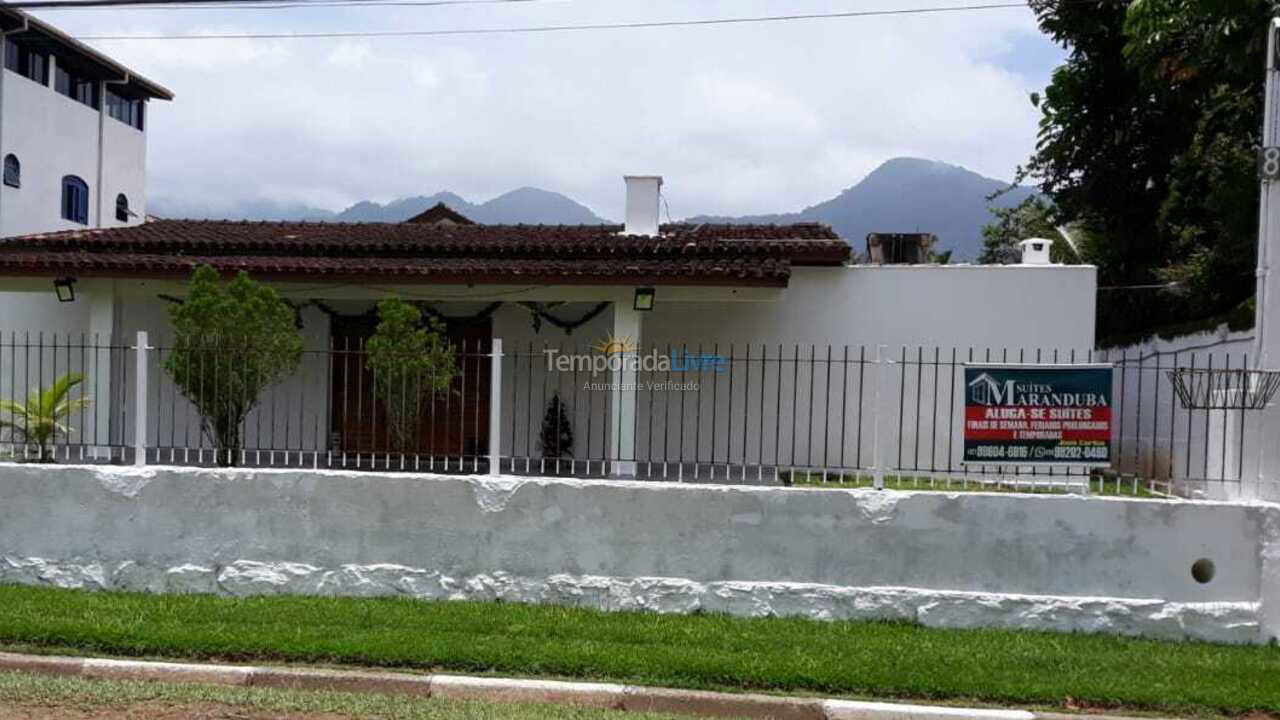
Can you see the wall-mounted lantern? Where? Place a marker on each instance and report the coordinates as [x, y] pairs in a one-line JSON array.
[[65, 288], [644, 299]]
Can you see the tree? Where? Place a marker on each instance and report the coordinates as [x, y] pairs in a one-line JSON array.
[[556, 438], [40, 419], [410, 359], [1207, 57], [231, 341], [1146, 141], [1032, 218], [1103, 153]]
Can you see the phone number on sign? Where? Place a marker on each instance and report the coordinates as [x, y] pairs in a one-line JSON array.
[[1021, 452]]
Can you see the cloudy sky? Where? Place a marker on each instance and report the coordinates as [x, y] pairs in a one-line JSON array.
[[738, 118]]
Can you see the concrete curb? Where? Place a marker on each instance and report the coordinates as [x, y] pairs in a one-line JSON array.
[[601, 695]]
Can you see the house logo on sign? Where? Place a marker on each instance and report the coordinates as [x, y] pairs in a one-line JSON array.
[[984, 390]]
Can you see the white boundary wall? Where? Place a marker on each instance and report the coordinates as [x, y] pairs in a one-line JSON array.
[[947, 560]]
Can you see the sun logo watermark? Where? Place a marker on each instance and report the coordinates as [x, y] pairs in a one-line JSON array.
[[615, 345]]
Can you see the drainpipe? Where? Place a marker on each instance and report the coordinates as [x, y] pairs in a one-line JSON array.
[[3, 35]]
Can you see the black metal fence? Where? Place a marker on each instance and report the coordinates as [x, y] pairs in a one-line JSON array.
[[335, 410], [750, 413], [754, 413], [39, 424]]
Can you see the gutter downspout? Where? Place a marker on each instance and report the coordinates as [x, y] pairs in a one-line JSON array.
[[3, 35], [102, 142]]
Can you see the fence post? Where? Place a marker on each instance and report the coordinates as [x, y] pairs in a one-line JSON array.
[[140, 401], [876, 463], [495, 407]]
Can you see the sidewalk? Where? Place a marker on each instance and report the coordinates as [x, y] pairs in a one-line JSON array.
[[598, 695]]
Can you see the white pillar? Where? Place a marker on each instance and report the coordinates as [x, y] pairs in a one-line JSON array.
[[101, 363], [1267, 343], [1266, 352], [495, 408], [622, 408], [140, 404]]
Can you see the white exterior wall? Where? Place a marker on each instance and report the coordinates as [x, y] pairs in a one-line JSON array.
[[1013, 309], [943, 560], [1157, 437], [52, 136], [124, 170], [292, 415], [980, 306]]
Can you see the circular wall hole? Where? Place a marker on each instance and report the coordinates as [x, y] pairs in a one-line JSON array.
[[1202, 570]]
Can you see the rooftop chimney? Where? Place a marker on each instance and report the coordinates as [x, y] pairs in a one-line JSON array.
[[1035, 251], [642, 204]]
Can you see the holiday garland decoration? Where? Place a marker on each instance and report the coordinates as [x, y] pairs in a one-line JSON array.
[[538, 312], [541, 312]]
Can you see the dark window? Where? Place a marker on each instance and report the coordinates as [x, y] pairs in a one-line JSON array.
[[76, 87], [75, 200], [126, 110], [122, 208], [12, 171], [26, 62]]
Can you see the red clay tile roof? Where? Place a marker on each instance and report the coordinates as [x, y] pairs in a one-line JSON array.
[[410, 252]]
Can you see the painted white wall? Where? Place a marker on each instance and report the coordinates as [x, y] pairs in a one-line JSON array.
[[949, 560], [979, 306], [1027, 312], [1156, 437], [291, 416], [54, 136], [124, 170]]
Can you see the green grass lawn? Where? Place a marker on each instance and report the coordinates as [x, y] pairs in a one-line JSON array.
[[893, 660], [133, 698]]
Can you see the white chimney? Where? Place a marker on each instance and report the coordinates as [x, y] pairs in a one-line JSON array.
[[1035, 251], [642, 204]]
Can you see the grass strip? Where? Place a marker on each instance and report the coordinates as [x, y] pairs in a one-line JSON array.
[[707, 651]]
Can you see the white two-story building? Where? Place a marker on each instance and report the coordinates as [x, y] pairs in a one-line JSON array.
[[72, 132]]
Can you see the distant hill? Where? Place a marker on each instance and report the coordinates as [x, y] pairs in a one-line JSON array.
[[525, 205], [907, 195], [902, 195]]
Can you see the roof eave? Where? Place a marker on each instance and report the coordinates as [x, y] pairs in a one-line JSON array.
[[770, 281], [147, 86]]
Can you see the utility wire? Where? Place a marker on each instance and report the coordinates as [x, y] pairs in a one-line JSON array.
[[558, 28], [221, 4]]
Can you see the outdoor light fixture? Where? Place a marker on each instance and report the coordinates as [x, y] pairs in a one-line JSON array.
[[644, 299], [65, 288]]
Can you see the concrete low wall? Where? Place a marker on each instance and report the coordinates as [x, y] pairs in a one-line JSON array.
[[951, 560]]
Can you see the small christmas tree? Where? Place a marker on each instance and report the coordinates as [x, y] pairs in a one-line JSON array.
[[557, 434]]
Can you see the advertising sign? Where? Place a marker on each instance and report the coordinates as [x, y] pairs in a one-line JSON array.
[[1037, 415]]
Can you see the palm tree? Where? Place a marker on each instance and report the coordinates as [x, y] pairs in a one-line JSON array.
[[39, 420]]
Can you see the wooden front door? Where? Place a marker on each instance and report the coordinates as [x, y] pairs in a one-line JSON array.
[[454, 423]]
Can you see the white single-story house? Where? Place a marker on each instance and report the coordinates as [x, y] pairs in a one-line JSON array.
[[795, 323]]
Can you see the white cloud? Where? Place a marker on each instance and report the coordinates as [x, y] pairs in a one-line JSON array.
[[748, 118]]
